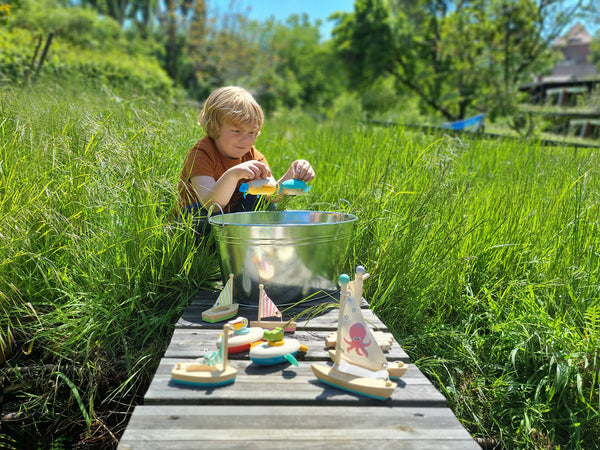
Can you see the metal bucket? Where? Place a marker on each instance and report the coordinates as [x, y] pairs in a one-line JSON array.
[[294, 254]]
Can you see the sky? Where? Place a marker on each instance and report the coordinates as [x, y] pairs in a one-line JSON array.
[[316, 9], [281, 9]]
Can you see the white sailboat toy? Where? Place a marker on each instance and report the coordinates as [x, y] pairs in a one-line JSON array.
[[224, 308], [384, 340], [359, 364]]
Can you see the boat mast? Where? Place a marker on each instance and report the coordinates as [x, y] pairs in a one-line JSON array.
[[226, 329], [261, 288], [359, 276], [344, 280], [231, 287]]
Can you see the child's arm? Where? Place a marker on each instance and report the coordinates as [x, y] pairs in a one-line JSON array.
[[220, 191]]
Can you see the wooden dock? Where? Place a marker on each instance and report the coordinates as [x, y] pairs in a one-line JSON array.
[[284, 406]]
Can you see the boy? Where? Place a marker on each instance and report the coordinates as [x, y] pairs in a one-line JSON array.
[[226, 157]]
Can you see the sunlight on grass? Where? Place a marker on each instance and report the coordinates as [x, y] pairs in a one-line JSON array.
[[484, 257]]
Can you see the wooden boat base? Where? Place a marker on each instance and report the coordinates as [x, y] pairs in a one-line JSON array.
[[374, 388]]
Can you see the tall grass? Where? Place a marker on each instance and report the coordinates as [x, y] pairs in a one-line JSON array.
[[484, 258], [92, 272]]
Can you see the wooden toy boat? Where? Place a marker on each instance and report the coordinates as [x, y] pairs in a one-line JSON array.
[[276, 349], [210, 371], [240, 336], [268, 186], [362, 370], [261, 186], [384, 340], [293, 187], [224, 308], [266, 309]]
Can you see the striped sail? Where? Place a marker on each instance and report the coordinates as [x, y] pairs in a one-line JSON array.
[[225, 295], [268, 308]]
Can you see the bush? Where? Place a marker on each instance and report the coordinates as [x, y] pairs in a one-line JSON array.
[[85, 48]]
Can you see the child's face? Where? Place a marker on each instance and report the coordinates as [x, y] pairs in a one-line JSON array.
[[235, 141]]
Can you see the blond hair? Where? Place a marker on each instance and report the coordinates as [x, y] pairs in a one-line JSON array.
[[230, 104]]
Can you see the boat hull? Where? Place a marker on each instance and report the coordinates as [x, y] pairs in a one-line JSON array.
[[203, 378], [373, 388], [395, 369], [238, 343], [267, 355], [220, 313]]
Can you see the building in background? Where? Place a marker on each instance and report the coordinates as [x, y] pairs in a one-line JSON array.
[[575, 47]]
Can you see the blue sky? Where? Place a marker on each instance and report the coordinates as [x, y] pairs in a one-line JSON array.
[[282, 9], [316, 9]]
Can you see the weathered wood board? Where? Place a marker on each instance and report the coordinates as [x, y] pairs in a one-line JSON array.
[[286, 406], [195, 343], [284, 384], [274, 426]]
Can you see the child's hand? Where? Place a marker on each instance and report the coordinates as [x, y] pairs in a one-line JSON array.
[[251, 170], [302, 170]]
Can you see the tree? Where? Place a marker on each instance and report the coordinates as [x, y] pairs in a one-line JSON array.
[[456, 56]]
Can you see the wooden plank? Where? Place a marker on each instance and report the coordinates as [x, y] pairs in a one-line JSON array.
[[285, 384], [195, 343], [269, 426], [192, 318]]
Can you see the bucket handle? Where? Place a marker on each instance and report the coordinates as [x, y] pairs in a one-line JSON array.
[[210, 211], [343, 200]]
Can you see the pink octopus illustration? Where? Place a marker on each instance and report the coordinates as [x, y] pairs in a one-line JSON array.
[[358, 343]]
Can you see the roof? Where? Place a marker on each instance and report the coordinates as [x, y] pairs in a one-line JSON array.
[[577, 35]]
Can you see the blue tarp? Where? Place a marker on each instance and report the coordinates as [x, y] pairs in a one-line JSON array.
[[475, 121]]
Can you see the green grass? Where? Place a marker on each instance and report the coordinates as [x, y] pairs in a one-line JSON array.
[[484, 255]]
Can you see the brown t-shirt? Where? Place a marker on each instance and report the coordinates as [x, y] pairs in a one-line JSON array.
[[205, 159]]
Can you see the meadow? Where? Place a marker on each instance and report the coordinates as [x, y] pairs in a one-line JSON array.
[[484, 258]]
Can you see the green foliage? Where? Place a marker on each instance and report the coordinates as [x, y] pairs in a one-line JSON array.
[[85, 49], [484, 261], [459, 58], [93, 271]]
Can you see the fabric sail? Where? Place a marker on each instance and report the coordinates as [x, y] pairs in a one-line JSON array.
[[268, 307], [357, 341], [225, 295]]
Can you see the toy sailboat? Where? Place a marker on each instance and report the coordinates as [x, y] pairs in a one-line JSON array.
[[384, 340], [210, 371], [266, 308], [224, 308], [240, 336], [362, 369], [276, 349]]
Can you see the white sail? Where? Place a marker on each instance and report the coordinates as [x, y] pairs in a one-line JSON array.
[[356, 286], [225, 295], [356, 340]]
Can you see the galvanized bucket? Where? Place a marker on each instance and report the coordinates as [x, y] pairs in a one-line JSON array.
[[296, 255]]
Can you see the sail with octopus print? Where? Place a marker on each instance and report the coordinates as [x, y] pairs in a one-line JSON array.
[[359, 364], [360, 334]]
